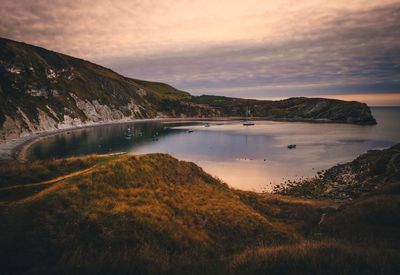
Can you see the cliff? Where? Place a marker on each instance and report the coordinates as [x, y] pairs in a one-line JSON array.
[[44, 90]]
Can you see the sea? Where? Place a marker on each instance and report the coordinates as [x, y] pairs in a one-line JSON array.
[[254, 158]]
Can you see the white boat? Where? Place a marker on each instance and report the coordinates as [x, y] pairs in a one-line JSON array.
[[248, 123]]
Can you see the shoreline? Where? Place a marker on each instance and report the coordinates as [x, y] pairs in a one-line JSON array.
[[16, 149]]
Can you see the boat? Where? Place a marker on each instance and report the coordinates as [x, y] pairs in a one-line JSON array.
[[291, 146], [247, 122], [190, 131], [207, 125], [128, 134]]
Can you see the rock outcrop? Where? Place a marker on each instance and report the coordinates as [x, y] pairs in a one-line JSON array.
[[374, 171], [43, 90]]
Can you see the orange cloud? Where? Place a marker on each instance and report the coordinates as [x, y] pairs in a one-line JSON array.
[[388, 99]]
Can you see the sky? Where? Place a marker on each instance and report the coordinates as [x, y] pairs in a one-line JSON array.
[[253, 49]]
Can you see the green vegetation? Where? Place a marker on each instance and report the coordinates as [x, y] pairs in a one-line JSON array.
[[40, 89], [153, 214], [299, 108], [163, 91]]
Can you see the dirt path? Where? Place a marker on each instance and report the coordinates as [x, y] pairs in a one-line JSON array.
[[60, 178], [30, 188], [50, 183]]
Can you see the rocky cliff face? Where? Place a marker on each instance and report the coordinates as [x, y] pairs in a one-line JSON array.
[[44, 90]]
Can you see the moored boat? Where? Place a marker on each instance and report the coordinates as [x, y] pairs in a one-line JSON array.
[[248, 123]]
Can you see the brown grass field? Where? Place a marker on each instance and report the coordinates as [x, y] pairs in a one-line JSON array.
[[154, 214]]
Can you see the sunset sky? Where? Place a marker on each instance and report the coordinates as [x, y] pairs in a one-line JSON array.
[[253, 49]]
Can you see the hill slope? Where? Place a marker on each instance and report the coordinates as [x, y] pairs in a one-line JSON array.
[[153, 214], [44, 90]]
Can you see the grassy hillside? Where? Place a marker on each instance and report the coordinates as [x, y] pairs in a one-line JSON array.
[[20, 173], [135, 214], [40, 89], [153, 214], [43, 90], [299, 108], [163, 91]]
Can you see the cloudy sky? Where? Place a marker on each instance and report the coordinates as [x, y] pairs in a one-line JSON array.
[[249, 48]]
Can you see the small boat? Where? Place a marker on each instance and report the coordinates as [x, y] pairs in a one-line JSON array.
[[248, 123], [207, 125], [190, 131], [291, 146], [128, 135]]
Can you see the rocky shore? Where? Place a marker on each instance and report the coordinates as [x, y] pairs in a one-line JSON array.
[[373, 171]]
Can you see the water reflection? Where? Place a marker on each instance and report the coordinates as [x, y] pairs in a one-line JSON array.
[[249, 158]]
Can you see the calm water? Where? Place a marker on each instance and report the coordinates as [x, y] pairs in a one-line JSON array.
[[248, 158]]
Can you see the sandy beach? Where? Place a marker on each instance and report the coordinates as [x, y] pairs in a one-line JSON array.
[[17, 148]]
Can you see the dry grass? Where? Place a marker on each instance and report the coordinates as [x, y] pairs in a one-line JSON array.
[[317, 257], [19, 173], [113, 216], [153, 214]]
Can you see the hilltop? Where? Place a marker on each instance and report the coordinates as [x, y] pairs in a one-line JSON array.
[[154, 214], [42, 90]]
